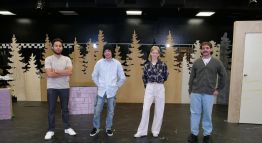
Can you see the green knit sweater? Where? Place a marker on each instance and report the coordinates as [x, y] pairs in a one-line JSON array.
[[203, 78]]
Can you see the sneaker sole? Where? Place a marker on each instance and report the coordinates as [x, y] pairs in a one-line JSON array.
[[49, 139], [92, 135]]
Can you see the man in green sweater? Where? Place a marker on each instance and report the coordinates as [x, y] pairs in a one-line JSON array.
[[203, 88]]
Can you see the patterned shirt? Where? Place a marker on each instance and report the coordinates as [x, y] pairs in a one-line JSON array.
[[155, 73]]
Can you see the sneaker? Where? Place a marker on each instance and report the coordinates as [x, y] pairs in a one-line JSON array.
[[94, 132], [138, 135], [155, 135], [207, 139], [192, 139], [109, 133], [49, 135], [70, 131]]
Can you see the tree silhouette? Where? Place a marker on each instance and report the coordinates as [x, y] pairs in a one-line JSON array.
[[134, 60], [90, 60], [174, 68], [32, 81], [226, 51], [100, 46], [134, 71], [16, 71]]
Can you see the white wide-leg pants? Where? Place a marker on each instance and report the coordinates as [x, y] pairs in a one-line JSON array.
[[155, 92]]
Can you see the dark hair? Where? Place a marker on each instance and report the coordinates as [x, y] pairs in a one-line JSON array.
[[108, 48], [206, 43], [57, 39]]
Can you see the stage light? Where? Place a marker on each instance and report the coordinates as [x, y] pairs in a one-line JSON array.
[[6, 13], [205, 13], [133, 12]]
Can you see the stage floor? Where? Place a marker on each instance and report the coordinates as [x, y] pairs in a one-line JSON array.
[[29, 125]]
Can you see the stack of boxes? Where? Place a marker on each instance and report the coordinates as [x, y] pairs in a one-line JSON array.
[[82, 100]]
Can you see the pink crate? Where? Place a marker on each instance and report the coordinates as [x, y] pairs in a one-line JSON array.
[[81, 100], [5, 104]]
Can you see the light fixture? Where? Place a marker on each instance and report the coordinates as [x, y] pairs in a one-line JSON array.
[[205, 13], [94, 45], [6, 13], [167, 45], [133, 12], [68, 12]]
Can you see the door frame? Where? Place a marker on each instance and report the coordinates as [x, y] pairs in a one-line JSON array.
[[235, 93]]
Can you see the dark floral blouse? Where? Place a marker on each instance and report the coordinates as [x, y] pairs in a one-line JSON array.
[[155, 73]]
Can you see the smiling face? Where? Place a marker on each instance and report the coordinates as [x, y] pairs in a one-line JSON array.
[[154, 54], [57, 48], [108, 54]]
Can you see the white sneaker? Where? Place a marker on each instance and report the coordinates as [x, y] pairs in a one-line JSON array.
[[70, 131], [138, 135], [155, 135], [49, 135]]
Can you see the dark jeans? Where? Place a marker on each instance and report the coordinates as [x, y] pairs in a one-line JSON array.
[[52, 95]]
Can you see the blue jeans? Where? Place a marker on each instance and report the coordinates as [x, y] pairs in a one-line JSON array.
[[201, 104], [52, 95], [111, 102]]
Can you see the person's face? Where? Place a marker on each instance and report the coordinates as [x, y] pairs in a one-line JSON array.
[[57, 47], [206, 51], [154, 54], [107, 54]]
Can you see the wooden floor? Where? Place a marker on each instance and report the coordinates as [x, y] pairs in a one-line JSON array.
[[30, 124]]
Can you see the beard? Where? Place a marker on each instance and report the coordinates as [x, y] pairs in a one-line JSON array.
[[57, 53]]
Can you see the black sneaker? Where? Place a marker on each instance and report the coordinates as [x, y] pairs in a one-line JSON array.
[[94, 132], [109, 133], [207, 139], [192, 139]]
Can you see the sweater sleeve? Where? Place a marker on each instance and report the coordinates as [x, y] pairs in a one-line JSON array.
[[191, 78], [222, 76]]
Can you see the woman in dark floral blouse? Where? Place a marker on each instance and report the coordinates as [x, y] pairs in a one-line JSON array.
[[154, 76]]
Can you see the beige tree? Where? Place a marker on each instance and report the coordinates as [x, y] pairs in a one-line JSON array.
[[117, 54], [16, 72], [196, 54], [173, 83], [100, 46], [134, 60], [185, 78], [216, 49], [48, 47], [90, 60], [32, 82], [134, 80], [78, 76], [48, 52]]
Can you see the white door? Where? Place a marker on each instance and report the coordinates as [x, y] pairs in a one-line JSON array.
[[251, 99]]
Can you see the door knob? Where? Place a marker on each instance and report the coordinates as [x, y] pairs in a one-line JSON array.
[[245, 74]]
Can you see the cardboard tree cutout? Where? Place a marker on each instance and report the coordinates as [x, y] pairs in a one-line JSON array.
[[134, 81], [173, 83], [16, 72], [90, 59]]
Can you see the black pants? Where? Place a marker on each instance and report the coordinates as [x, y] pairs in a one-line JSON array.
[[52, 95]]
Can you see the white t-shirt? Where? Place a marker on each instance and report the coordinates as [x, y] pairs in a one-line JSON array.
[[60, 63], [206, 61]]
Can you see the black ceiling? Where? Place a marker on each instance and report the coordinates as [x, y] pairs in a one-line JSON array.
[[234, 9]]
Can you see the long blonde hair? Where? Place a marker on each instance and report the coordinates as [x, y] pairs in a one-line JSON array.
[[152, 49]]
